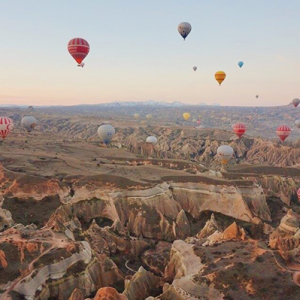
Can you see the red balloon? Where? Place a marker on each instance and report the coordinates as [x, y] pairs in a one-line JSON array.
[[6, 125], [283, 132], [198, 121], [239, 129], [79, 49]]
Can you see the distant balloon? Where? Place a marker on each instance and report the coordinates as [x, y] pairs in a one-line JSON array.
[[184, 29], [186, 116], [296, 102], [136, 115], [29, 123], [283, 132], [149, 116], [297, 123], [225, 153], [6, 126], [198, 121], [195, 68], [239, 129], [151, 140], [79, 48], [240, 63], [256, 96], [106, 133], [220, 76]]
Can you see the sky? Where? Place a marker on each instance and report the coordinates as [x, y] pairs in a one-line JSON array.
[[137, 54]]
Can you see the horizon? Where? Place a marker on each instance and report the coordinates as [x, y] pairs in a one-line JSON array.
[[137, 54], [140, 103]]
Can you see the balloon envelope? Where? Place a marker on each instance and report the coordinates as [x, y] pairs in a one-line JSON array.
[[151, 139], [6, 125], [79, 48], [106, 133], [136, 115], [186, 116], [184, 29], [296, 102], [283, 132], [240, 63], [195, 68], [239, 129], [149, 116], [297, 123], [224, 153], [29, 122], [256, 96], [220, 76]]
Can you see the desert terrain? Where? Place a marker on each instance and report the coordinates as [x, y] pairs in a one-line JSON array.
[[132, 220]]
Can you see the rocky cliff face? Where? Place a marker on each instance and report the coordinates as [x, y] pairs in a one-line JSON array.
[[45, 256]]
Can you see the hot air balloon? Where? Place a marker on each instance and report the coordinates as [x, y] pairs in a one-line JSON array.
[[298, 195], [297, 123], [224, 153], [296, 102], [283, 132], [195, 68], [151, 139], [29, 123], [220, 76], [184, 29], [149, 116], [136, 115], [239, 129], [240, 63], [106, 133], [6, 126], [79, 48], [256, 96], [186, 115], [198, 121]]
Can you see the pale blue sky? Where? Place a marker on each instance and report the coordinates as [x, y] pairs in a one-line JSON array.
[[137, 54]]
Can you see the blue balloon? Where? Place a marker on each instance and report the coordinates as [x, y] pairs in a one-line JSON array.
[[240, 63]]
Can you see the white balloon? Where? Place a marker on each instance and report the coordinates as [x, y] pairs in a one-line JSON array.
[[136, 115], [28, 122], [106, 133], [149, 116], [151, 139], [297, 123], [184, 29], [225, 153]]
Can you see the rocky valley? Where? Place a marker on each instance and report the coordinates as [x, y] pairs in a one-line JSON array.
[[132, 220]]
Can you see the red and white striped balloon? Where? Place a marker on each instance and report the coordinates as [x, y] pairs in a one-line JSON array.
[[6, 125], [283, 132], [79, 48], [239, 129]]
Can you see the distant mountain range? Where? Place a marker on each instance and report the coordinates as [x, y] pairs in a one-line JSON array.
[[154, 103], [128, 104]]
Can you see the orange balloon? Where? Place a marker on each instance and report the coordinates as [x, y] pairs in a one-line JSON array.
[[220, 76]]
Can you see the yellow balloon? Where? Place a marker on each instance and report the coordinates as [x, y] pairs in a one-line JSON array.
[[220, 76], [186, 116]]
